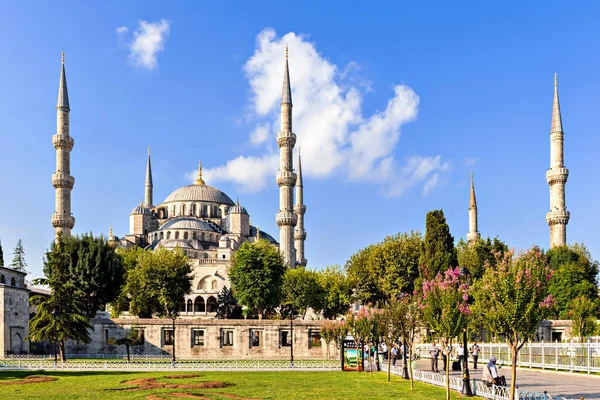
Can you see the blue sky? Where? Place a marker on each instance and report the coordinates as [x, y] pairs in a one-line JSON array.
[[394, 105]]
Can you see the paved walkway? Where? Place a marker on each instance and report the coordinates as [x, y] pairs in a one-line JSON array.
[[569, 385]]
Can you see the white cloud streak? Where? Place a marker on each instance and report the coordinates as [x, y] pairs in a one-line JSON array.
[[336, 138], [146, 42]]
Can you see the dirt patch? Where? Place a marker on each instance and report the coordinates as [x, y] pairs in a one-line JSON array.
[[30, 379], [181, 376], [152, 383], [175, 395]]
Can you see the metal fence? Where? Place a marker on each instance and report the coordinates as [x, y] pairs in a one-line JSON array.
[[479, 388], [558, 356]]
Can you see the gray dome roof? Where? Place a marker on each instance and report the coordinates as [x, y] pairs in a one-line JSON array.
[[174, 243], [141, 210], [187, 223], [199, 193], [238, 209]]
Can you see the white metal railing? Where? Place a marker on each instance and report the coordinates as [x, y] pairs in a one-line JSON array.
[[558, 356], [479, 388]]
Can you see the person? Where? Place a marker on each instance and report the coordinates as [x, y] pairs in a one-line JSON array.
[[490, 374], [434, 352], [475, 353], [446, 351], [460, 356], [394, 354]]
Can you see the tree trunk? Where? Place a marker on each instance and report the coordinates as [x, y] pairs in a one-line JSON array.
[[127, 348], [61, 346], [448, 362], [389, 362], [513, 381], [410, 370]]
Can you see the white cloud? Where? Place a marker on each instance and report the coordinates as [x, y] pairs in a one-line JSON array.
[[336, 138], [148, 40]]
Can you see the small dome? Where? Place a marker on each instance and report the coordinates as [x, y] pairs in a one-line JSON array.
[[171, 244], [199, 193], [187, 223], [237, 209], [141, 210]]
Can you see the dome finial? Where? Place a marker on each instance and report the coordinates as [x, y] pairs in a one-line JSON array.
[[200, 181]]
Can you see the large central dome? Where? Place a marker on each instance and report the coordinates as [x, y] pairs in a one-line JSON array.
[[199, 193]]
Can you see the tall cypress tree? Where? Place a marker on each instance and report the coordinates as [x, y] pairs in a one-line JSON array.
[[439, 253], [1, 255], [18, 262]]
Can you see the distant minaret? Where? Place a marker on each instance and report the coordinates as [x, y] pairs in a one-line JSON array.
[[473, 234], [63, 182], [149, 186], [286, 178], [557, 175], [300, 209]]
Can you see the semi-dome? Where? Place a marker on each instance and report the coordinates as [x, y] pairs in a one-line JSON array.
[[199, 193], [237, 209], [187, 223], [141, 210]]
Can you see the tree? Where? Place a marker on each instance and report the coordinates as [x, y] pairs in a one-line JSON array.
[[446, 309], [361, 326], [514, 299], [575, 274], [1, 255], [410, 318], [96, 270], [333, 331], [583, 314], [337, 291], [302, 290], [256, 275], [63, 312], [390, 329], [228, 307], [480, 255], [400, 255], [363, 276], [18, 262], [439, 253], [132, 338]]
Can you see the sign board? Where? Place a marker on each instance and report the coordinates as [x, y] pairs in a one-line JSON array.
[[352, 356]]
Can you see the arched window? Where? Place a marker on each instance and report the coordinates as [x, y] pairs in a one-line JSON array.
[[182, 306], [214, 285], [219, 213], [204, 210], [174, 209], [205, 255], [194, 209], [183, 209], [162, 235], [185, 235], [168, 235], [194, 236], [199, 305], [13, 282], [223, 256], [190, 306], [211, 304], [2, 279], [177, 235], [215, 212]]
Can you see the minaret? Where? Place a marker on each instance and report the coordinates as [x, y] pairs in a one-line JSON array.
[[149, 186], [286, 178], [557, 175], [300, 210], [63, 182], [473, 234]]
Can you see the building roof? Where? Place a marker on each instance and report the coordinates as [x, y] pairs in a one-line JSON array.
[[141, 210], [238, 209], [199, 193], [263, 235], [187, 223]]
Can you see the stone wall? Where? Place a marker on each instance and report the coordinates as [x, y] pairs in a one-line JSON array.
[[208, 339], [14, 313]]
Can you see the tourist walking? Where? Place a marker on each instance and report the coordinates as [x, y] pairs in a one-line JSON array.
[[460, 355], [394, 354], [475, 353], [434, 352]]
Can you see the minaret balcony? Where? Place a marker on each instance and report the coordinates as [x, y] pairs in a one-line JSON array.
[[473, 236], [300, 209], [557, 174], [63, 181], [64, 142], [299, 235], [558, 217], [286, 218], [63, 221], [286, 139], [286, 178]]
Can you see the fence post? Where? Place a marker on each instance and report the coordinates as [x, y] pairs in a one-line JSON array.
[[556, 351], [530, 356], [571, 354], [543, 356], [587, 347]]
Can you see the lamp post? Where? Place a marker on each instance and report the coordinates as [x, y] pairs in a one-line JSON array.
[[173, 315], [404, 363], [466, 388], [54, 314], [291, 337]]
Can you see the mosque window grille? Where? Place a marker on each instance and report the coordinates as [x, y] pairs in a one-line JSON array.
[[177, 235], [185, 235]]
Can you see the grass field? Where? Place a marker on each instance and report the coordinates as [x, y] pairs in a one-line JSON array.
[[210, 386]]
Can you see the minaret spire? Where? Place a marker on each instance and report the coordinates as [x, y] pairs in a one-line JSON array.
[[286, 178], [149, 186], [557, 176], [63, 182], [473, 234], [199, 180], [300, 210]]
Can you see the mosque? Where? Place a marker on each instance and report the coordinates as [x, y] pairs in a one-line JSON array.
[[200, 219]]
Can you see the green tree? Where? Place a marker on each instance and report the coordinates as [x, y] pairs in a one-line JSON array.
[[337, 291], [1, 255], [363, 275], [390, 329], [446, 308], [400, 255], [228, 307], [302, 290], [96, 270], [575, 274], [583, 313], [514, 299], [410, 320], [18, 262], [63, 311], [480, 255], [256, 275], [438, 253], [133, 337]]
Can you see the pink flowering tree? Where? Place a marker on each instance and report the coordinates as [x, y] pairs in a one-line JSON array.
[[514, 298], [446, 309]]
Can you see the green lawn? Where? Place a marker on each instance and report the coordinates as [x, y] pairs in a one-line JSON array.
[[243, 385]]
